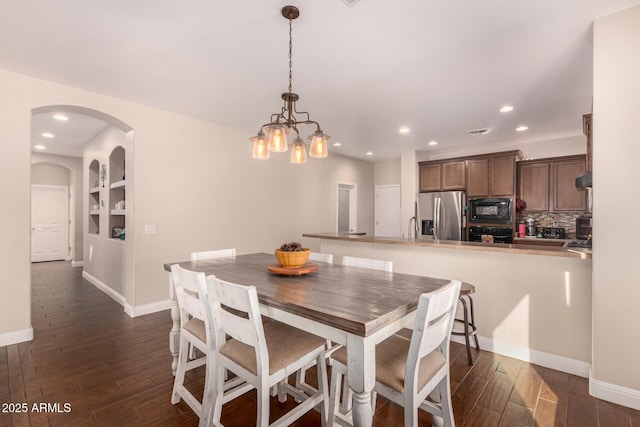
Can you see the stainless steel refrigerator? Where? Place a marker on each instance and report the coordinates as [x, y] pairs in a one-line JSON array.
[[441, 215]]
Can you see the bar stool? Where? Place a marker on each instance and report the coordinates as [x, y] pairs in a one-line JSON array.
[[468, 322]]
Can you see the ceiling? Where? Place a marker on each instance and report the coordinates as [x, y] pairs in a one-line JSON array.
[[363, 71]]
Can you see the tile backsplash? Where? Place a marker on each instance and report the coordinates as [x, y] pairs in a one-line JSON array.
[[564, 219]]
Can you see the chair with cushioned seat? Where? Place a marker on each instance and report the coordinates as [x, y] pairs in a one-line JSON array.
[[264, 355], [195, 332], [409, 371]]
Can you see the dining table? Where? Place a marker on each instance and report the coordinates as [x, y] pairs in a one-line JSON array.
[[352, 306]]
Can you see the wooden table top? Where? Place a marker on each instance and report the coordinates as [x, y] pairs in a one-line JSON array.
[[352, 299]]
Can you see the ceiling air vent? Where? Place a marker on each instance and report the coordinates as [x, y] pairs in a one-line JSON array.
[[478, 131]]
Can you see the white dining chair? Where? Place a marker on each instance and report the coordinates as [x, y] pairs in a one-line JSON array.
[[264, 355], [218, 253], [408, 371], [373, 264], [321, 257], [196, 331]]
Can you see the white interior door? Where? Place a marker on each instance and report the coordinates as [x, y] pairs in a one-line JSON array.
[[347, 208], [388, 211], [49, 222]]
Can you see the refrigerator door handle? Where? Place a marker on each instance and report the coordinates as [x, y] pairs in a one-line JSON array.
[[436, 217]]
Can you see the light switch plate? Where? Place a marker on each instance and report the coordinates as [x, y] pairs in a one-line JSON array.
[[149, 229]]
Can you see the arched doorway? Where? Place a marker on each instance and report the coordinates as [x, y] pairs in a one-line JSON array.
[[83, 137]]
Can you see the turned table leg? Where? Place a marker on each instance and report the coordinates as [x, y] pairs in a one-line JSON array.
[[174, 335], [361, 374]]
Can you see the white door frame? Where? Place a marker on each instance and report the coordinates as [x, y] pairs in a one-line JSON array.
[[352, 188]]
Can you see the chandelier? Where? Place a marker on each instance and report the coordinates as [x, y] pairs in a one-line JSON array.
[[272, 136]]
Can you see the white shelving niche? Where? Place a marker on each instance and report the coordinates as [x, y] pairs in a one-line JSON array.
[[117, 194], [94, 197]]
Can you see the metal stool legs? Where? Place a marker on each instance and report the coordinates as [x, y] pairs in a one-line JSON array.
[[469, 325]]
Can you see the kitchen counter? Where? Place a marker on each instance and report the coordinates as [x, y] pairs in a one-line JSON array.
[[522, 291], [520, 248]]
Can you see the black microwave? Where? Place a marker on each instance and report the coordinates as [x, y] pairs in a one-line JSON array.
[[492, 211]]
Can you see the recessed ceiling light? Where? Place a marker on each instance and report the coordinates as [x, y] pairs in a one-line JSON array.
[[61, 117], [522, 128], [39, 147], [48, 135], [433, 142], [369, 153], [506, 108], [337, 144], [404, 130]]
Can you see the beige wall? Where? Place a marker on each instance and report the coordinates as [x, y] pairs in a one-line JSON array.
[[387, 172], [616, 177], [196, 181]]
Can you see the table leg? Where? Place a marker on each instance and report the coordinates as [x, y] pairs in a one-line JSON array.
[[174, 335], [361, 375]]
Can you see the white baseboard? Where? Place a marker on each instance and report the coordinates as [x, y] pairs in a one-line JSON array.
[[614, 393], [104, 288], [15, 337], [141, 310], [130, 310], [77, 263], [547, 360]]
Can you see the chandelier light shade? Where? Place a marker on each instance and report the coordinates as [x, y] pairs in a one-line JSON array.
[[288, 120], [298, 153], [318, 147], [260, 148], [278, 138]]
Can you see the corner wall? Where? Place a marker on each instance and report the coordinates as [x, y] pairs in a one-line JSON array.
[[616, 150]]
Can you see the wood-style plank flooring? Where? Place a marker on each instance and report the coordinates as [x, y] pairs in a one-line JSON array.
[[116, 371]]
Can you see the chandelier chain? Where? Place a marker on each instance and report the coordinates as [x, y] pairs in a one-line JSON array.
[[290, 48]]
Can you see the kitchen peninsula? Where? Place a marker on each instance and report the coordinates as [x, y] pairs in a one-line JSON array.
[[531, 302]]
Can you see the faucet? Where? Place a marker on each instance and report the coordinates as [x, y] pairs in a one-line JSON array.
[[415, 227]]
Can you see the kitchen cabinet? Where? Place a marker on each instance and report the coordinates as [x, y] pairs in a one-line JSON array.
[[478, 178], [565, 195], [533, 185], [492, 176], [442, 175], [430, 177], [549, 184]]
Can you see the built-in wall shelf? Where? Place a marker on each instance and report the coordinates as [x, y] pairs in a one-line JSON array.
[[117, 192], [118, 184], [94, 198]]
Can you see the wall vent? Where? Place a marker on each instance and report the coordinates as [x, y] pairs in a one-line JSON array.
[[481, 131]]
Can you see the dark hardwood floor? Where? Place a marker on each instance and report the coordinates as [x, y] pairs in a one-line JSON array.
[[112, 370]]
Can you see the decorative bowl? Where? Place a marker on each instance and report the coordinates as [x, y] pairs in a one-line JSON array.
[[292, 259]]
